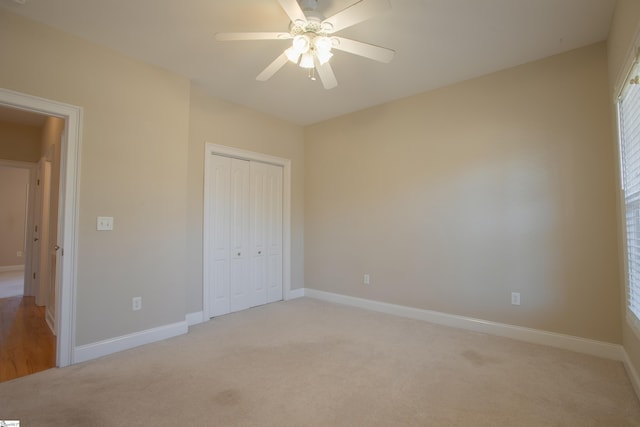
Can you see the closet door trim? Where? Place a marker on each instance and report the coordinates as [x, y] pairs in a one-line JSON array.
[[222, 150]]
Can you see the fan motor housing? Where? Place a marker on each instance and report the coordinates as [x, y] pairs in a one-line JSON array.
[[308, 5], [315, 24]]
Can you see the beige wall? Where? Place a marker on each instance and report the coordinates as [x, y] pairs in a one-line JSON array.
[[133, 167], [454, 198], [625, 26], [19, 142], [220, 122], [13, 204]]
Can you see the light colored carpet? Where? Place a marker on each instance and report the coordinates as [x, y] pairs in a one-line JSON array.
[[11, 284], [311, 363]]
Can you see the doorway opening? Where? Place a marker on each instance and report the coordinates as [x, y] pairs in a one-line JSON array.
[[60, 254]]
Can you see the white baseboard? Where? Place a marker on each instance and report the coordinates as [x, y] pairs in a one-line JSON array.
[[50, 321], [633, 374], [295, 293], [536, 336], [11, 268], [103, 348], [194, 318]]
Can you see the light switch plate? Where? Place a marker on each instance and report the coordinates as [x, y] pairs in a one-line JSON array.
[[105, 223]]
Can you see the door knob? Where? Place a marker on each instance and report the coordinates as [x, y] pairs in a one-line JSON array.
[[35, 240], [56, 247]]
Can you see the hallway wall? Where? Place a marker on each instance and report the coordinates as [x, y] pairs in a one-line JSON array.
[[13, 211], [20, 142]]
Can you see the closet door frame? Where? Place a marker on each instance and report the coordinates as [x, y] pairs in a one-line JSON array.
[[237, 153]]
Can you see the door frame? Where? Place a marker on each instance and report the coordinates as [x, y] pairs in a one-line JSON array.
[[68, 212], [237, 153]]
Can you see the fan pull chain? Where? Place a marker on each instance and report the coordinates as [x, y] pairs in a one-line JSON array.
[[312, 74]]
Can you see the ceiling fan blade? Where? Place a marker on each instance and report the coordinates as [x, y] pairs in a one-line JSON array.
[[377, 53], [325, 72], [252, 36], [293, 10], [272, 68], [356, 13]]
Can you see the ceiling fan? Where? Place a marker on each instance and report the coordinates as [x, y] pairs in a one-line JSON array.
[[313, 38]]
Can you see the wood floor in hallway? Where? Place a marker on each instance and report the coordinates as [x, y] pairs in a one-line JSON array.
[[26, 342]]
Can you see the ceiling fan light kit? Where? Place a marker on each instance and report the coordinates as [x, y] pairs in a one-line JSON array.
[[308, 45], [313, 40]]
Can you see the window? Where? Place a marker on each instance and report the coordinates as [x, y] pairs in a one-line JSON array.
[[629, 129]]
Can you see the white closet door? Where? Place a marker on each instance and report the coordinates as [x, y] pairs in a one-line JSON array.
[[266, 233], [219, 205], [273, 221], [239, 220], [258, 233], [245, 234]]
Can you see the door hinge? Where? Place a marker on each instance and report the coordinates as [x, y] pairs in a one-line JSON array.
[[34, 276], [38, 182], [36, 228]]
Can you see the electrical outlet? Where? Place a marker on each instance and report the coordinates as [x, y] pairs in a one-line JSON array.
[[136, 303], [19, 253], [515, 298], [366, 280]]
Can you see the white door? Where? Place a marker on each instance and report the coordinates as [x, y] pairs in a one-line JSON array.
[[219, 183], [228, 235], [42, 293], [258, 234], [266, 232], [34, 285], [274, 224], [239, 271], [244, 236]]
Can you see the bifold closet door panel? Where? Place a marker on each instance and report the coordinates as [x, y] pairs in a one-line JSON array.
[[239, 223], [219, 206], [258, 233], [266, 233], [273, 220]]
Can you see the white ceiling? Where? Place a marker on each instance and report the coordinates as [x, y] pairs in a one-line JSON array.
[[437, 42]]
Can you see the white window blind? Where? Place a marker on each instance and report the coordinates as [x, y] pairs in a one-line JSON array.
[[629, 122]]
